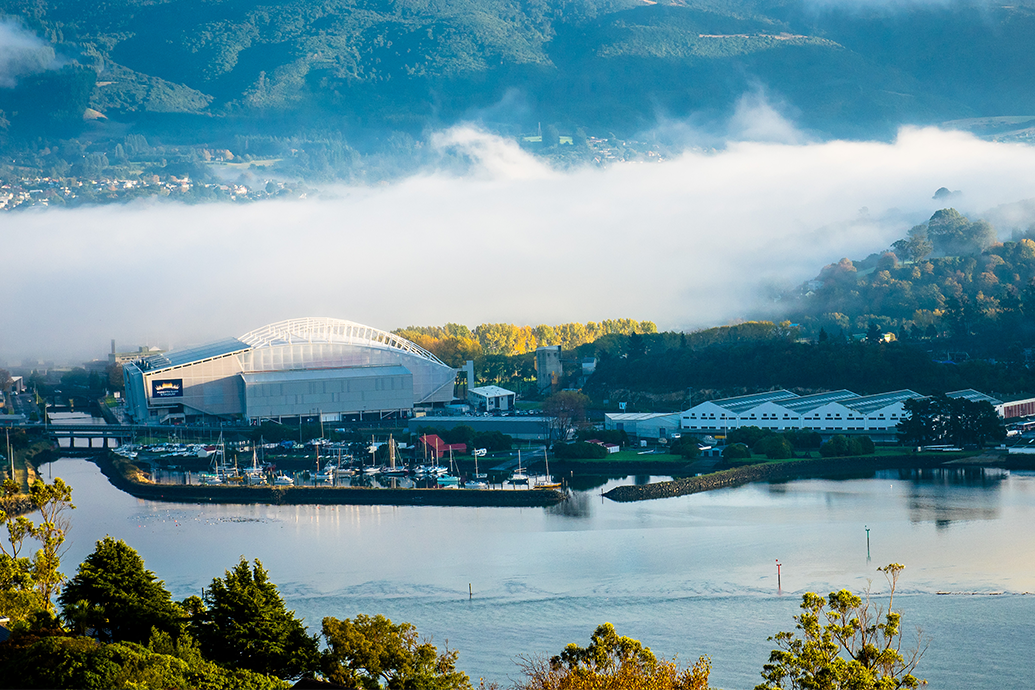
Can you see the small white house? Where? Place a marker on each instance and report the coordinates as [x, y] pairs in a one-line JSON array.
[[491, 398]]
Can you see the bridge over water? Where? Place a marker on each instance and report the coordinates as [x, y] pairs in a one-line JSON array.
[[111, 435]]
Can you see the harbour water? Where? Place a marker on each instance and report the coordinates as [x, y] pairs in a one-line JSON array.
[[687, 576]]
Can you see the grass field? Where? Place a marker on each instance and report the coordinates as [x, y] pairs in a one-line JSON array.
[[627, 456]]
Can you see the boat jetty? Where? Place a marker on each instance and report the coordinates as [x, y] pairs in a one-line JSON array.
[[321, 473]]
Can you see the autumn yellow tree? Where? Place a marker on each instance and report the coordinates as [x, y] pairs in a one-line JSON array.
[[455, 343], [611, 662]]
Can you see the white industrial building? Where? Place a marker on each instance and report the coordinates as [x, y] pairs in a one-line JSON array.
[[643, 425], [830, 413]]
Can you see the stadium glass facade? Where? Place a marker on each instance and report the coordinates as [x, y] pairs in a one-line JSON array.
[[296, 368]]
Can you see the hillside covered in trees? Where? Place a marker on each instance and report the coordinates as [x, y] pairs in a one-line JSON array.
[[950, 277], [311, 85], [666, 378], [945, 308]]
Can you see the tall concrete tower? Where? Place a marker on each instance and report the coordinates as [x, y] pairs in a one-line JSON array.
[[548, 368]]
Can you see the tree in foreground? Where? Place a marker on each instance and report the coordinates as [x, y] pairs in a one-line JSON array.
[[845, 643], [611, 662], [370, 653], [113, 594], [57, 661], [242, 623], [27, 585]]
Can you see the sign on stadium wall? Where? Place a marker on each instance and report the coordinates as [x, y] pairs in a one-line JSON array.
[[169, 388]]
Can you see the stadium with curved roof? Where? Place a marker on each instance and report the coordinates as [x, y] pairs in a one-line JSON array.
[[331, 368]]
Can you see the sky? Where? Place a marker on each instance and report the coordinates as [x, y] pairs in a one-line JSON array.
[[702, 239]]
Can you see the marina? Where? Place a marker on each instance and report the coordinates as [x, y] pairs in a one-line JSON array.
[[329, 465]]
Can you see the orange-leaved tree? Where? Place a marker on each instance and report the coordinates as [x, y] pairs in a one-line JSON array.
[[611, 662]]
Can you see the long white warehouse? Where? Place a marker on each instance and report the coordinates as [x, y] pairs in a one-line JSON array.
[[833, 412]]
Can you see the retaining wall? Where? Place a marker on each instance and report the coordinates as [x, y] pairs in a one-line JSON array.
[[781, 471]]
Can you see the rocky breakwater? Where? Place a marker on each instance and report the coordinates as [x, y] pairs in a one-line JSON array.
[[129, 478], [771, 471]]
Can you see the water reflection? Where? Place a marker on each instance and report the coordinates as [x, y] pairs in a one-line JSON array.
[[588, 482], [946, 495], [981, 477], [578, 505]]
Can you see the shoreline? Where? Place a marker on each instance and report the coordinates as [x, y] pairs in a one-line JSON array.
[[126, 476]]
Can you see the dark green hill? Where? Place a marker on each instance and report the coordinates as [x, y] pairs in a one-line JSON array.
[[609, 65], [949, 278]]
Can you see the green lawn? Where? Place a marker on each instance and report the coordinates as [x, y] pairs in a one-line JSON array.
[[635, 456]]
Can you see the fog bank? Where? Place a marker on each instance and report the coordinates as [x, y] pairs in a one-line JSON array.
[[694, 241], [21, 53]]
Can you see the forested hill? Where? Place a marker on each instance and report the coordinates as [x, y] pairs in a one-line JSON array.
[[945, 308], [663, 378], [201, 68], [949, 277]]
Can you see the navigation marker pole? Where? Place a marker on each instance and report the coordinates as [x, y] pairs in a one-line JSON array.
[[867, 544], [779, 584]]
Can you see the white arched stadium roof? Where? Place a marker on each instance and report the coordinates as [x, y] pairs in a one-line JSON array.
[[327, 330]]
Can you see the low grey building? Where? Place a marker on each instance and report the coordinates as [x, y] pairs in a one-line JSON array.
[[643, 425], [531, 428]]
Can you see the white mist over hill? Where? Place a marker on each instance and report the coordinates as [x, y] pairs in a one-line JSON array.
[[21, 53], [694, 241]]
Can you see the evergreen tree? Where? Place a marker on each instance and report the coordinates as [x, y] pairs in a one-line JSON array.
[[113, 594], [244, 624]]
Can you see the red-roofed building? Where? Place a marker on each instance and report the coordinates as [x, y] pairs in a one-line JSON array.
[[609, 447], [435, 447]]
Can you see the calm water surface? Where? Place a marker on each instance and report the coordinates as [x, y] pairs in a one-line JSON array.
[[687, 576]]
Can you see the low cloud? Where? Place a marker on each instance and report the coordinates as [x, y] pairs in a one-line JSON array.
[[21, 53], [756, 119], [695, 241]]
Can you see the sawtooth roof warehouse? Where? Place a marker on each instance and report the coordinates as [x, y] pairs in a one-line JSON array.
[[833, 412], [306, 367]]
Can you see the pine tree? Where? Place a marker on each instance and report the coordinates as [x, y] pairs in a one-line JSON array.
[[244, 624], [115, 596]]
